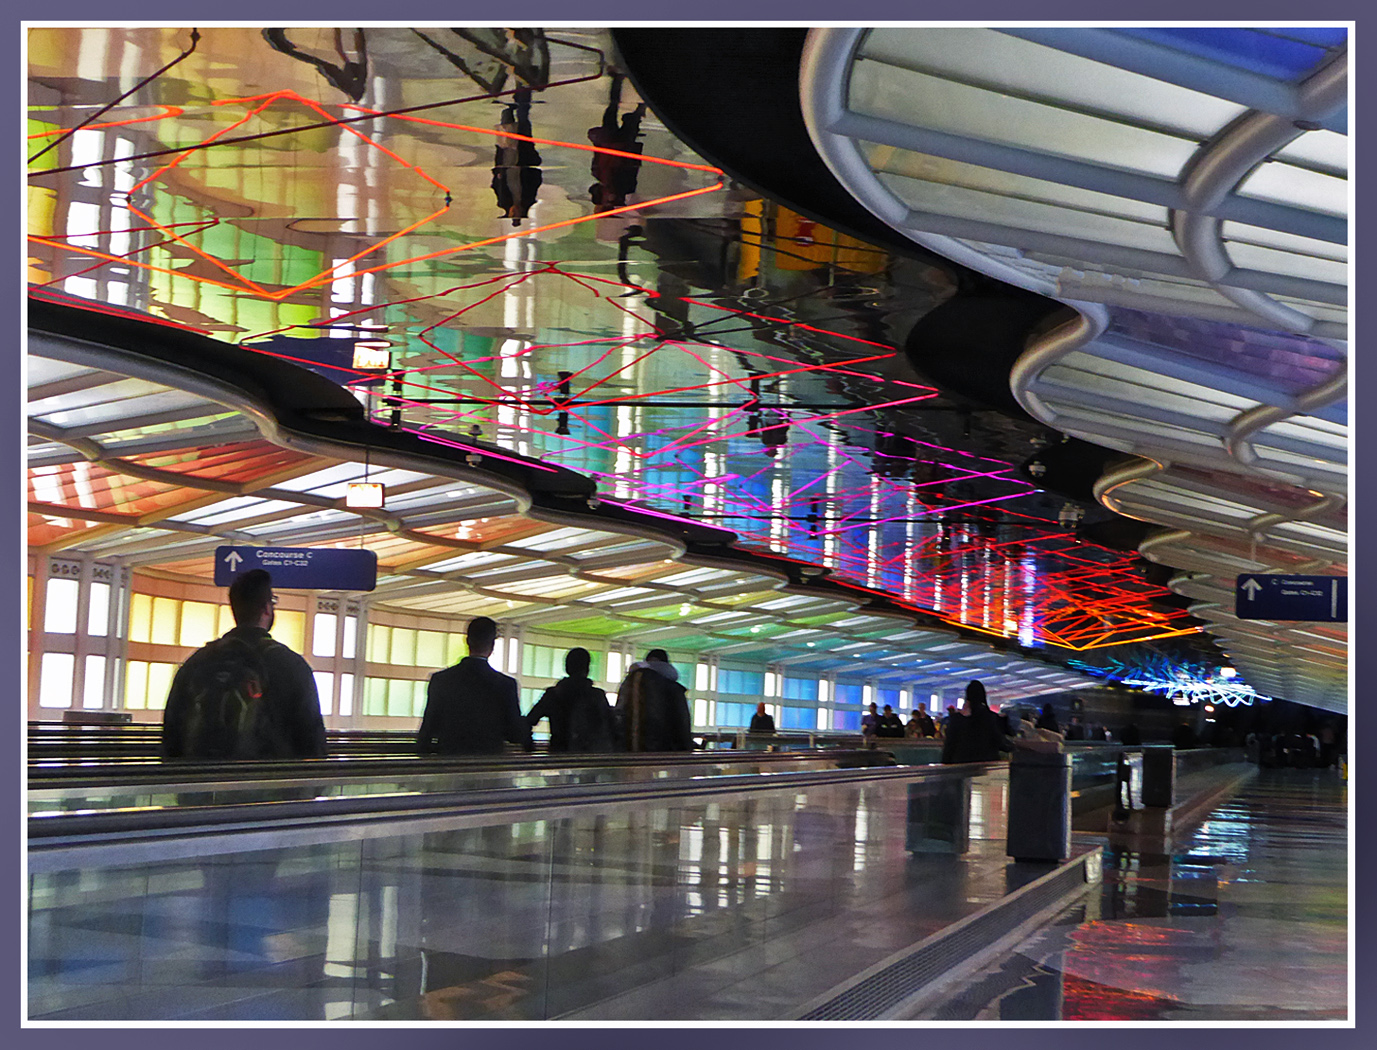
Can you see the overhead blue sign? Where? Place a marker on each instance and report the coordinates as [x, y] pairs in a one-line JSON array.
[[1281, 596], [301, 568]]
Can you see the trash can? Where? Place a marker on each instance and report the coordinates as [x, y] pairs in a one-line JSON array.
[[1159, 776], [939, 815], [1039, 804]]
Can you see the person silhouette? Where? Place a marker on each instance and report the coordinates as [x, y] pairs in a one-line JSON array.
[[516, 175], [616, 175]]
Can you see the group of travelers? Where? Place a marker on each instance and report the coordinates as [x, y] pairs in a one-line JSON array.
[[1296, 749], [248, 696], [889, 725], [471, 708]]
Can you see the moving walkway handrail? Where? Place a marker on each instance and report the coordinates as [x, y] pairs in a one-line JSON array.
[[77, 839], [154, 773]]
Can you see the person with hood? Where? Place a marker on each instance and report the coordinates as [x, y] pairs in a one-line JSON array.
[[974, 734], [653, 706]]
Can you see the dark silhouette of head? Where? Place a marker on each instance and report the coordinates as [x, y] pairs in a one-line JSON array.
[[658, 654], [481, 636], [576, 662], [975, 695], [251, 599]]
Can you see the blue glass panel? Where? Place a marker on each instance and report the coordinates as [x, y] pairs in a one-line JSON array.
[[800, 689], [798, 718], [850, 693], [1290, 363], [1288, 54], [734, 715], [742, 683], [847, 721]]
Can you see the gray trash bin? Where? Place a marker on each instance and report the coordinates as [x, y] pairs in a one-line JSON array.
[[1159, 776], [939, 815], [1039, 805]]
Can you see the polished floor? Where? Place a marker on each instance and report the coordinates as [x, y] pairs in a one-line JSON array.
[[747, 908], [1246, 920], [750, 907]]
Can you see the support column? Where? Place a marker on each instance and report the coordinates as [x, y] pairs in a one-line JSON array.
[[37, 622]]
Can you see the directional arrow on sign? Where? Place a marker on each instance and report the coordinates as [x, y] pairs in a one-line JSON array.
[[1251, 586], [233, 558]]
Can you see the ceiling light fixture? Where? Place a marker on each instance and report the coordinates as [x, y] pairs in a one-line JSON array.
[[372, 356], [364, 494]]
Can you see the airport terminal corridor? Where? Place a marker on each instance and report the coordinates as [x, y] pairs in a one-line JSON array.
[[907, 464]]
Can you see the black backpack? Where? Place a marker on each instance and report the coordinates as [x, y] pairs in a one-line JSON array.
[[226, 714], [590, 722]]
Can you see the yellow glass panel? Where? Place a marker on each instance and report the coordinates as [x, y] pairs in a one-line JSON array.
[[403, 647], [289, 628], [198, 623], [164, 630], [375, 696], [136, 685], [418, 699], [141, 618], [399, 698], [159, 682], [28, 604], [379, 641], [224, 620], [430, 649], [455, 649]]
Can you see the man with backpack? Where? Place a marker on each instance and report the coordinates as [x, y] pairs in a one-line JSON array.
[[244, 695], [471, 708], [580, 716]]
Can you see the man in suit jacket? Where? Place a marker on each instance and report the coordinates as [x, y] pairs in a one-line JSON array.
[[471, 708]]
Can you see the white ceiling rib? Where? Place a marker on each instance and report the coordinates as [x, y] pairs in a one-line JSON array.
[[1264, 152]]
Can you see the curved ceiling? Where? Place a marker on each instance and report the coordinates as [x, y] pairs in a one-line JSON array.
[[150, 467], [1186, 191], [575, 312]]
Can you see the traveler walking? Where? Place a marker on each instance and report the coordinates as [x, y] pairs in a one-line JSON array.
[[244, 695], [975, 734], [762, 721], [580, 717], [653, 706], [890, 725], [470, 707]]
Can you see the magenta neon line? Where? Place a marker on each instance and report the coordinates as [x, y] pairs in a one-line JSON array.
[[736, 382]]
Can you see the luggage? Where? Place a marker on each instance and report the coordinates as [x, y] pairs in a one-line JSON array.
[[226, 716], [591, 730]]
